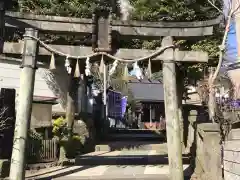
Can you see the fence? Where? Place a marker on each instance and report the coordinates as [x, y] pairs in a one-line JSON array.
[[40, 151]]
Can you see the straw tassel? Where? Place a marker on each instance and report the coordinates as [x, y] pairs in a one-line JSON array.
[[125, 73], [101, 67], [149, 69], [87, 67], [68, 65], [77, 70], [52, 65], [114, 66], [138, 71]]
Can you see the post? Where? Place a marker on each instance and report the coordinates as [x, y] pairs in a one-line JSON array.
[[105, 91], [101, 42], [139, 119], [172, 115], [24, 109], [70, 109], [150, 115], [211, 99], [70, 112], [105, 109]]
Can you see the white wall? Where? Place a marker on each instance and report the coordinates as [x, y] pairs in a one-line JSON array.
[[10, 78]]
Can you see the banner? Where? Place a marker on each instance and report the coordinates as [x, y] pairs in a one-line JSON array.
[[124, 105], [114, 102]]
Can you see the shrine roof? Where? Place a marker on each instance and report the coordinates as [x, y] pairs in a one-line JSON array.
[[44, 100], [146, 90]]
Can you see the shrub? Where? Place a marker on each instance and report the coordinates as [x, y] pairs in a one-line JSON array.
[[72, 145], [60, 127]]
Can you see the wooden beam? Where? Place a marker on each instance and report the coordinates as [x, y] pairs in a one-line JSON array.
[[131, 28], [181, 56]]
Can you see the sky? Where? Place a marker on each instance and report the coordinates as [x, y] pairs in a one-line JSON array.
[[231, 52]]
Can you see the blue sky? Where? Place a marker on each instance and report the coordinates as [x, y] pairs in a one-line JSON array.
[[231, 53]]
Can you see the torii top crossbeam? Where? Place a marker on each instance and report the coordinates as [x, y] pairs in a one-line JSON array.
[[135, 29], [138, 29]]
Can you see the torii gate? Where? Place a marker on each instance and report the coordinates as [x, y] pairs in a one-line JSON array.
[[101, 27]]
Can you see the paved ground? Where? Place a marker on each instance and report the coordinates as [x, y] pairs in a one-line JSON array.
[[105, 172]]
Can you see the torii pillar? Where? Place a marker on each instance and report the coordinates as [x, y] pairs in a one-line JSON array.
[[101, 42], [173, 124], [24, 109], [171, 113]]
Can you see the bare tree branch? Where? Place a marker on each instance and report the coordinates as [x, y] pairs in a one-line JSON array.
[[231, 10], [222, 48], [236, 8], [213, 4], [4, 121]]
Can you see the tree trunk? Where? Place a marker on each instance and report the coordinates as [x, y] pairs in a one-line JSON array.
[[211, 99], [62, 150]]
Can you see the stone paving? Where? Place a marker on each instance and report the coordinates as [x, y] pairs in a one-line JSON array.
[[99, 172]]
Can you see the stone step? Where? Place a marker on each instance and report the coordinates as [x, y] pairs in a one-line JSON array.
[[103, 172], [234, 134], [125, 158], [232, 146], [135, 137], [132, 145], [122, 177], [134, 131], [117, 134]]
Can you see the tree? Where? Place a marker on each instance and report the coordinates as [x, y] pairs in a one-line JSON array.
[[222, 48], [147, 10], [118, 80], [5, 122]]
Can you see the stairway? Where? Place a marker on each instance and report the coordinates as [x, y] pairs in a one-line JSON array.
[[135, 135], [131, 154], [132, 139], [125, 155]]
